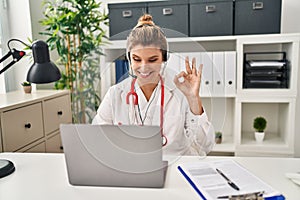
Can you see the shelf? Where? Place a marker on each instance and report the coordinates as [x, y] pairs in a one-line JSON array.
[[270, 140], [227, 145], [249, 39], [273, 145]]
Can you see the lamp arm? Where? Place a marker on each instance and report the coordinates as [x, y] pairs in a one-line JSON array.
[[5, 57], [7, 66], [16, 54]]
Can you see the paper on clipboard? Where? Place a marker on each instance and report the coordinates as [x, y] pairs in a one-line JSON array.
[[204, 178]]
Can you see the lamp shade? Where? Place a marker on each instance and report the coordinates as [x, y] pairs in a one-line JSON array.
[[42, 70]]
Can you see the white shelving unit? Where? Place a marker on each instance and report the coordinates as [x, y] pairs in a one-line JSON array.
[[234, 113]]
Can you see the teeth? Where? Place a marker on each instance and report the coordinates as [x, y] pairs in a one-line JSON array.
[[144, 74]]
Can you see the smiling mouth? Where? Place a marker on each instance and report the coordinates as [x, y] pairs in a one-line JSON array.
[[145, 75]]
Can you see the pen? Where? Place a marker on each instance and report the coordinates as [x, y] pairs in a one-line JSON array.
[[253, 195], [234, 186]]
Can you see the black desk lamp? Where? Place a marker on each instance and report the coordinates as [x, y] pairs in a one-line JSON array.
[[42, 71]]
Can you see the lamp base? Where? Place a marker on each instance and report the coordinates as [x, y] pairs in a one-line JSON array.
[[6, 168]]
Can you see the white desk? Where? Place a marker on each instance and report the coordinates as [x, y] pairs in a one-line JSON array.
[[44, 176]]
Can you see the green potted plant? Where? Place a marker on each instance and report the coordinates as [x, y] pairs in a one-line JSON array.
[[218, 137], [259, 124], [27, 87], [76, 29]]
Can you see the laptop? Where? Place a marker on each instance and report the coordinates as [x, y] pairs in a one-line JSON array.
[[110, 155]]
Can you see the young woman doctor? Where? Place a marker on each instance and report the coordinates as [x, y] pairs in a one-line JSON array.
[[151, 97]]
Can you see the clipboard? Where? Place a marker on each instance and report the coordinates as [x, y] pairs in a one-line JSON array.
[[209, 184]]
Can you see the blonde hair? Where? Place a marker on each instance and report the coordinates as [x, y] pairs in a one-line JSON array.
[[146, 33]]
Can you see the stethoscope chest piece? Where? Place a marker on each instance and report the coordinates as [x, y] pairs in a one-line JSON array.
[[164, 140]]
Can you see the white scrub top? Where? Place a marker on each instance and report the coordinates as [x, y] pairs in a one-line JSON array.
[[187, 133]]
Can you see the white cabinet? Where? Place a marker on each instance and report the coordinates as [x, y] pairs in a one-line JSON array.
[[56, 111], [30, 122], [54, 144], [232, 112], [21, 126]]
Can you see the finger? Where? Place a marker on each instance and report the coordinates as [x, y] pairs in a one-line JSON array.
[[194, 71], [176, 81], [199, 73], [187, 65], [181, 74], [179, 78]]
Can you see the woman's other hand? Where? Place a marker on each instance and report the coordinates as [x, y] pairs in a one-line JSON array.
[[190, 85]]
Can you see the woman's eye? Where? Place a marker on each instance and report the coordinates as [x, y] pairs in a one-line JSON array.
[[136, 59], [153, 60]]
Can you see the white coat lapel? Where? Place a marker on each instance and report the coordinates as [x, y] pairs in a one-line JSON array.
[[168, 95]]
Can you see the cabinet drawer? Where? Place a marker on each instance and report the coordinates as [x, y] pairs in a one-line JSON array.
[[172, 16], [21, 126], [123, 17], [54, 144], [57, 111], [40, 148], [257, 17], [211, 17]]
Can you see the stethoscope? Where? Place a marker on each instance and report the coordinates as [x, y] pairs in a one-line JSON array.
[[162, 99]]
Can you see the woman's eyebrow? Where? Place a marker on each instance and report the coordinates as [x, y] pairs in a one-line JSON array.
[[151, 57], [155, 56], [134, 55]]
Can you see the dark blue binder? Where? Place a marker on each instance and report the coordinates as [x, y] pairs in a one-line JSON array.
[[121, 68]]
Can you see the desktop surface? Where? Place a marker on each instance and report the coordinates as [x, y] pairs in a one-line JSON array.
[[44, 176]]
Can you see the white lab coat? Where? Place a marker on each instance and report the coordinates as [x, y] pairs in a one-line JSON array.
[[186, 133]]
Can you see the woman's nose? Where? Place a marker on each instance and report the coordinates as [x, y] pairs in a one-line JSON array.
[[143, 64]]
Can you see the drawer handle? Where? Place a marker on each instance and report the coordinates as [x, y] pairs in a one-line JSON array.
[[28, 125], [60, 112], [127, 13], [258, 5], [61, 148], [210, 8], [167, 11]]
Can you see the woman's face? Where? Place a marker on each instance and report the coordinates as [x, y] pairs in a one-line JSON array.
[[146, 63]]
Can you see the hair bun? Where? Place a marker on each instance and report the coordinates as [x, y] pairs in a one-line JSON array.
[[145, 19]]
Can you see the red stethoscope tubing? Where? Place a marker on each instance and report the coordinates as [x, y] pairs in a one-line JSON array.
[[162, 102]]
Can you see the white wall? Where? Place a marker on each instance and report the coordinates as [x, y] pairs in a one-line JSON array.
[[18, 17], [290, 24], [4, 33], [290, 16]]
